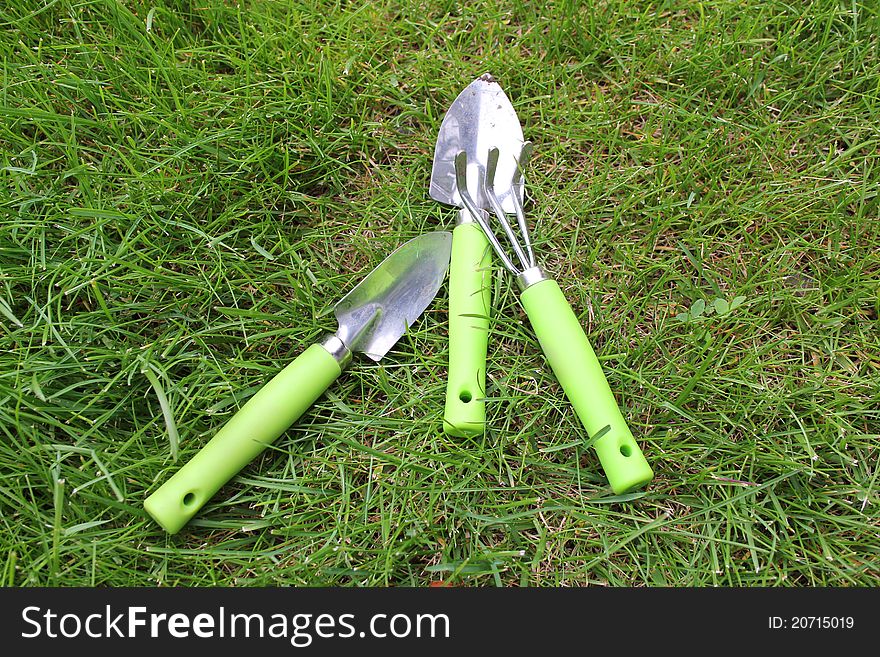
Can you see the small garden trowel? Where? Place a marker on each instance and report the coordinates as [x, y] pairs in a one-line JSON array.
[[372, 317], [480, 118]]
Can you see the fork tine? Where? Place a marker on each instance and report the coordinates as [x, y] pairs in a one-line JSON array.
[[491, 167], [516, 185], [478, 214]]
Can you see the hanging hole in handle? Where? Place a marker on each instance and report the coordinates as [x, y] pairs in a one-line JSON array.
[[188, 499], [465, 396], [626, 450]]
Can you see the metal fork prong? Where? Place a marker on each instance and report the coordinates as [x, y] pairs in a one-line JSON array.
[[517, 188], [478, 214], [491, 168]]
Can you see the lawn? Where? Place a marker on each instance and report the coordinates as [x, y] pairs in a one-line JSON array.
[[189, 186]]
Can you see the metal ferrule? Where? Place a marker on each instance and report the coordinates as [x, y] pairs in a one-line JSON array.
[[336, 348], [529, 277], [464, 217]]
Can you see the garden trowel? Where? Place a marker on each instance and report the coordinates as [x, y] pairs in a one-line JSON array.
[[481, 118], [372, 317]]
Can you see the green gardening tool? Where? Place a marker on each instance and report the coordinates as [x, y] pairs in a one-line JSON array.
[[372, 317], [559, 332], [480, 118]]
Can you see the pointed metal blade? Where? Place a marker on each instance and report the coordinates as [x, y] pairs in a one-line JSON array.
[[481, 118], [376, 313]]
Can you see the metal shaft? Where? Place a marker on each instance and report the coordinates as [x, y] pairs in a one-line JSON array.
[[527, 271]]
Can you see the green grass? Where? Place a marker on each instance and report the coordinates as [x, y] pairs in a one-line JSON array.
[[187, 187]]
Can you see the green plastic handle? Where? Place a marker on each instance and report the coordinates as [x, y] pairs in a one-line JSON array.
[[578, 370], [470, 284], [260, 421]]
